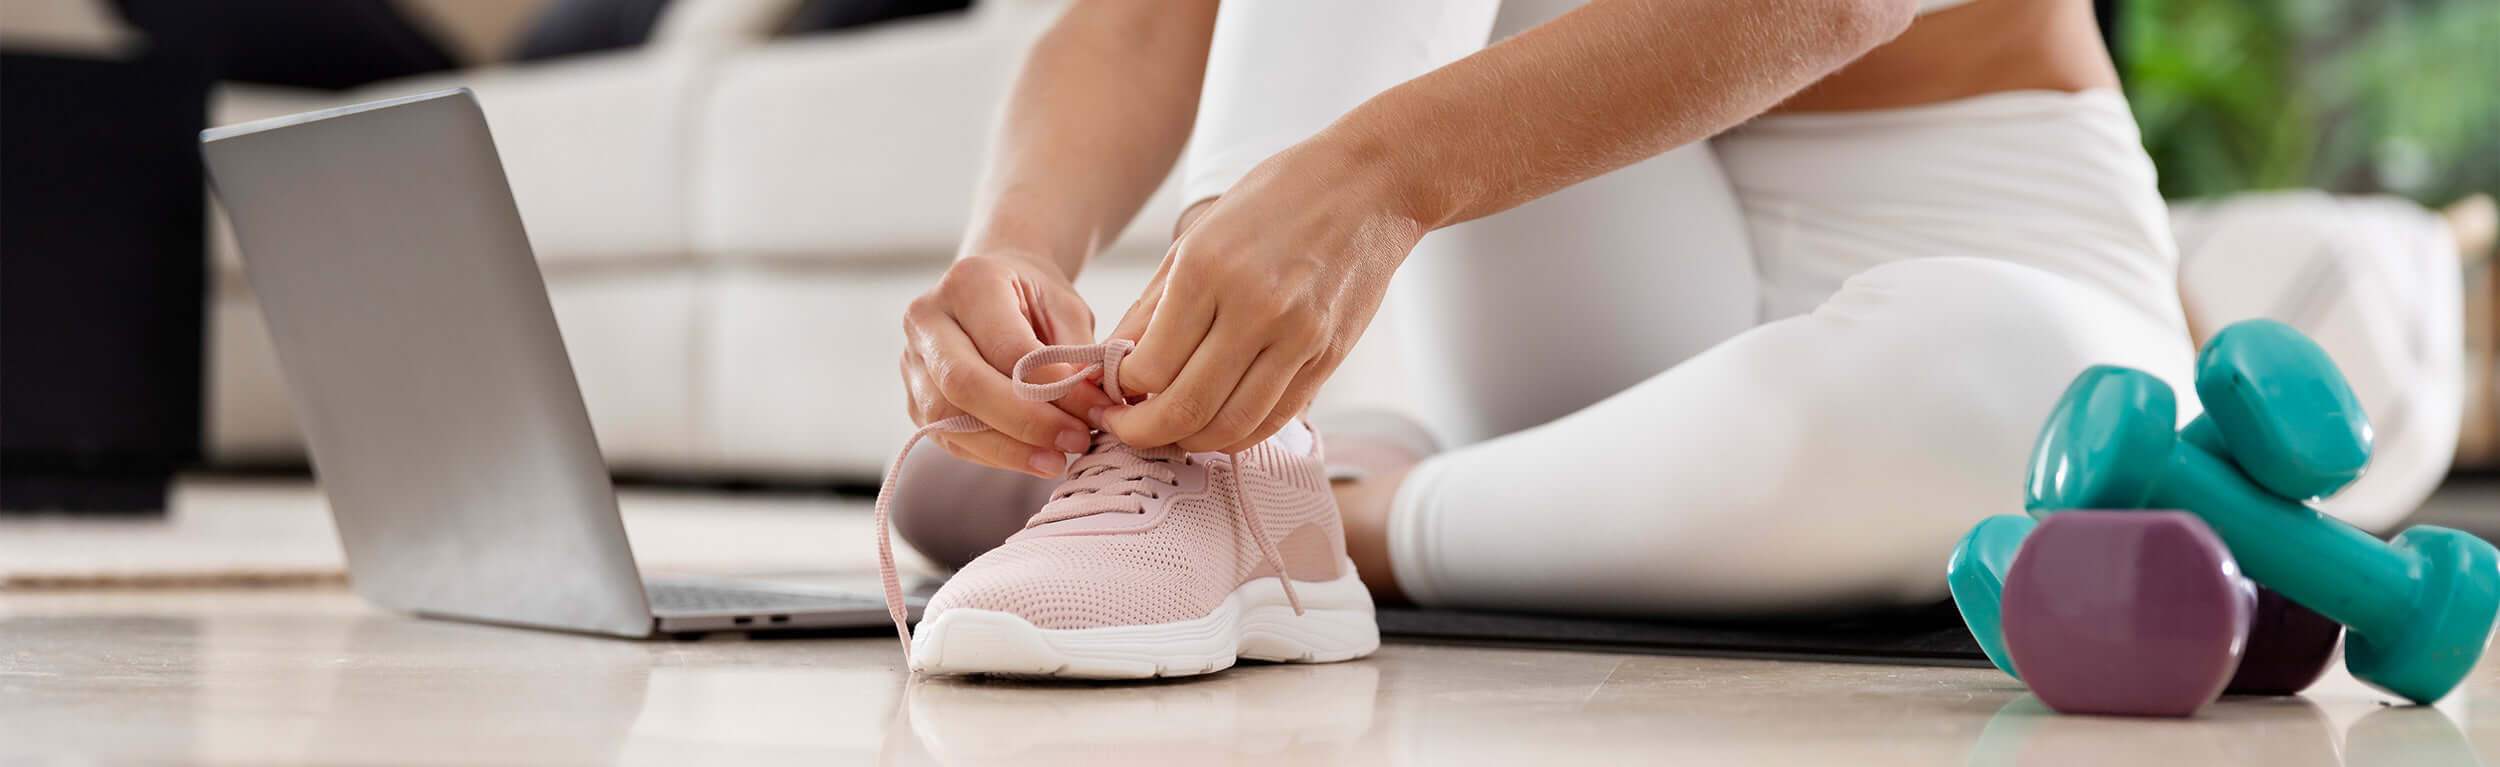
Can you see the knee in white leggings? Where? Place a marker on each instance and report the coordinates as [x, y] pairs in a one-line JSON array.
[[1827, 461]]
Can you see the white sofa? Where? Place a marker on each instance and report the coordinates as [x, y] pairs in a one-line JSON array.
[[730, 226]]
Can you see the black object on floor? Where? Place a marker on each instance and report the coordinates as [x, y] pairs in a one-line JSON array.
[[330, 44], [1929, 637], [101, 279]]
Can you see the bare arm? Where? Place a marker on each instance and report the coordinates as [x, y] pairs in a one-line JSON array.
[[1093, 125], [1602, 87], [1271, 283]]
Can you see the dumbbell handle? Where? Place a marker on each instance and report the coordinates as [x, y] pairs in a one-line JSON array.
[[2321, 562]]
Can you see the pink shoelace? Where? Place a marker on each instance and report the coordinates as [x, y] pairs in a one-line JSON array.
[[1111, 478]]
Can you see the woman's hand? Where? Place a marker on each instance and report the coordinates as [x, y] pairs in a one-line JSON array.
[[1260, 298], [962, 340]]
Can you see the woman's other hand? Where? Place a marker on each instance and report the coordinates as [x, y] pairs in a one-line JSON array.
[[1260, 298], [962, 340]]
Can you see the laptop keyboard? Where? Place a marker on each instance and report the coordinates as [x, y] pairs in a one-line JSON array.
[[688, 597]]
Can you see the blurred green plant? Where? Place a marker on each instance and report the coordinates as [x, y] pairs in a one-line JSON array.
[[2395, 96]]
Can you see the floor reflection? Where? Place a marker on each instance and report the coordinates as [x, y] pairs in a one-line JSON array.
[[281, 678], [2288, 731], [1292, 714], [398, 686], [787, 710], [58, 685], [2408, 735]]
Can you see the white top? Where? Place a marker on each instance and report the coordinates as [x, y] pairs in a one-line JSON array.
[[1266, 89]]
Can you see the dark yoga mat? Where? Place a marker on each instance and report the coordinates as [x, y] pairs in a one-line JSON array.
[[1928, 637]]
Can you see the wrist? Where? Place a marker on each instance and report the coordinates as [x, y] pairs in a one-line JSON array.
[[1392, 178]]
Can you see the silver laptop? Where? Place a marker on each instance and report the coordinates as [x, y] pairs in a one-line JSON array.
[[433, 389]]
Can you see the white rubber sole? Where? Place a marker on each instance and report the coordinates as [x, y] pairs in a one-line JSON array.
[[1254, 622]]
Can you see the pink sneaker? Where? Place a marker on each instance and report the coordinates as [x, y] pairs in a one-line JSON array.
[[1149, 563]]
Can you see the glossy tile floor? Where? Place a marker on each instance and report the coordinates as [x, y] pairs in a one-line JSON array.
[[311, 675]]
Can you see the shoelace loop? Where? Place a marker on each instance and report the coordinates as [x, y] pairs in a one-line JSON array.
[[1111, 477]]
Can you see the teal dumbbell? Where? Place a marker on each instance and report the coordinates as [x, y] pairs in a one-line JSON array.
[[2285, 416], [2276, 406], [1976, 576], [2419, 608]]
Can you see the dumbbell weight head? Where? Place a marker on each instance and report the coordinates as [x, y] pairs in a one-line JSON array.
[[2275, 406], [1976, 576], [2288, 647], [2421, 610], [2106, 444], [2286, 414], [2448, 625], [2138, 613]]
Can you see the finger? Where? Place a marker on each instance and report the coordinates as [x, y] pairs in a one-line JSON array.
[[990, 448], [1181, 319], [928, 405], [1005, 338], [985, 448], [1063, 318], [1296, 399], [1275, 423], [1252, 401], [915, 388], [1299, 395], [1067, 320], [1084, 403], [1194, 399], [1306, 385], [963, 380]]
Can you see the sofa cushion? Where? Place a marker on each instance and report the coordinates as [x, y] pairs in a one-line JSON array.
[[594, 146], [863, 146], [629, 333]]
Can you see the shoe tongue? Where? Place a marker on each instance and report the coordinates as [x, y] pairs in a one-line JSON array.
[[1105, 443], [1164, 453], [1110, 454]]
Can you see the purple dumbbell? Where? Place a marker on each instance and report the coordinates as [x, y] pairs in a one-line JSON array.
[[2289, 647], [2139, 613]]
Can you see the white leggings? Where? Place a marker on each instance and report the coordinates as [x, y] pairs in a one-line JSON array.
[[1826, 460], [1630, 436], [1632, 442]]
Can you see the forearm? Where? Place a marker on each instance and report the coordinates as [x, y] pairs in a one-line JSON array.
[[1092, 126], [1599, 88]]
